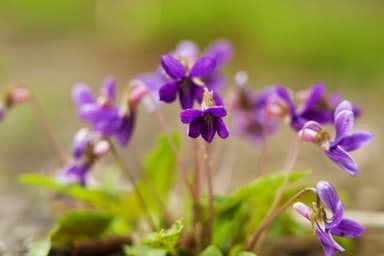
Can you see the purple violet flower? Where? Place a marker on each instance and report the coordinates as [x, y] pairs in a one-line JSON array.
[[87, 148], [103, 113], [313, 105], [193, 73], [206, 122], [345, 141], [326, 226], [249, 117], [186, 81]]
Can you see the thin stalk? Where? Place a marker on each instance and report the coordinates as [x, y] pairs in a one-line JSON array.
[[150, 184], [263, 152], [288, 167], [267, 221], [211, 213], [127, 173], [196, 205], [36, 108], [173, 146]]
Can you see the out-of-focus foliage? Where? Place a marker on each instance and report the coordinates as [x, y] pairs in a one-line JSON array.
[[343, 36]]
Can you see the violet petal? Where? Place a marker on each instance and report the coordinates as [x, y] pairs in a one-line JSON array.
[[172, 67], [82, 94], [188, 115], [168, 92], [195, 128], [340, 157], [348, 228], [355, 141], [203, 67], [328, 195], [216, 111], [222, 130]]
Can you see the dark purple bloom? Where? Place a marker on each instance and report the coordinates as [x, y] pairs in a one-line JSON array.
[[186, 81], [103, 113], [206, 122], [87, 148], [344, 142], [326, 226], [189, 73]]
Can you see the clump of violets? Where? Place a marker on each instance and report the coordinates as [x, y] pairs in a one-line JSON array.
[[328, 225], [13, 95], [188, 75], [345, 140], [207, 121], [88, 147], [104, 114]]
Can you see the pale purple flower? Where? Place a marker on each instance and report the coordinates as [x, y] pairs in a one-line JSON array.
[[207, 121], [249, 116], [104, 114], [309, 111], [326, 225], [87, 148], [345, 140]]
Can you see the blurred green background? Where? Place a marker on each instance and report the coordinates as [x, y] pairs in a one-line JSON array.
[[50, 45]]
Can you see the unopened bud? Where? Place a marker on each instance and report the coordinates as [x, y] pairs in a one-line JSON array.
[[137, 92], [20, 95], [302, 209], [101, 148]]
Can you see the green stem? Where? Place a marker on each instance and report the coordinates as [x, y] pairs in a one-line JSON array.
[[267, 221], [127, 173], [36, 108], [289, 164], [211, 214]]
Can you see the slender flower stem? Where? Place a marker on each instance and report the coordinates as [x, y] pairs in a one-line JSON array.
[[267, 221], [36, 108], [173, 146], [133, 183], [150, 184], [263, 152], [196, 205], [288, 167], [210, 191]]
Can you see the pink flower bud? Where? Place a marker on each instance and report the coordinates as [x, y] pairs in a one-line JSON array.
[[101, 148], [20, 95], [308, 135], [138, 91], [302, 209]]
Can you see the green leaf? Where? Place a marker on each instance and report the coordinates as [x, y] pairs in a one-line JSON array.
[[165, 239], [113, 202], [211, 251], [39, 248], [263, 187], [79, 225], [143, 250], [239, 214], [160, 166], [247, 254]]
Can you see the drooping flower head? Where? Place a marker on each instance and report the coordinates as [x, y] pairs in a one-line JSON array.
[[327, 218], [248, 107], [189, 74], [207, 121], [13, 95], [104, 114], [87, 148], [345, 140]]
